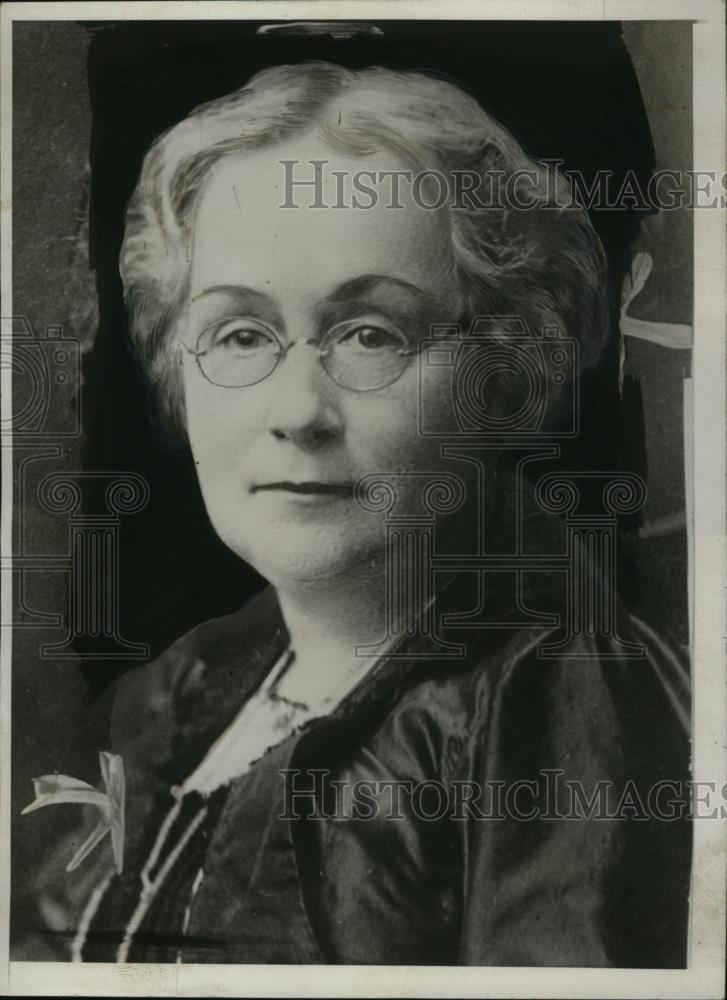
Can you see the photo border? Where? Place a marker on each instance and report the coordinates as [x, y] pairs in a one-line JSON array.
[[705, 436]]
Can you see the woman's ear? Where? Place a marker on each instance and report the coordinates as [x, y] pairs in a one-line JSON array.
[[177, 406], [167, 411]]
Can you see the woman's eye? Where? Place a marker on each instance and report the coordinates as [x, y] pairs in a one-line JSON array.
[[372, 338], [237, 337], [244, 338]]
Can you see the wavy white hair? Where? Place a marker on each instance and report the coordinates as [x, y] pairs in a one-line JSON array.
[[546, 266]]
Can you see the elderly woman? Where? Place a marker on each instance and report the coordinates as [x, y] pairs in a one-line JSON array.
[[284, 786]]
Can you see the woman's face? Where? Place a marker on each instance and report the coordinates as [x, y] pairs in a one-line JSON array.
[[277, 460]]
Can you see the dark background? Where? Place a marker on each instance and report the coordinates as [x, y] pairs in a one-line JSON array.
[[88, 100]]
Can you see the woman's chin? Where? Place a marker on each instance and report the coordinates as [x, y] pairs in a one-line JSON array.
[[309, 571], [289, 557]]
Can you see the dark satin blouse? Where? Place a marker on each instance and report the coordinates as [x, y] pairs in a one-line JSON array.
[[424, 864]]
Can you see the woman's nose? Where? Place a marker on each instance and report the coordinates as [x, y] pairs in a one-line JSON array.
[[302, 406]]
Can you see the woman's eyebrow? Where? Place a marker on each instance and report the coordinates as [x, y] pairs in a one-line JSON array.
[[357, 287], [238, 291], [349, 291]]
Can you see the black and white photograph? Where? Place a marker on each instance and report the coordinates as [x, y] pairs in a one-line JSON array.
[[363, 525]]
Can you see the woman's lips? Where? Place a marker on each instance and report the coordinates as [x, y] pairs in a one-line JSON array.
[[309, 488]]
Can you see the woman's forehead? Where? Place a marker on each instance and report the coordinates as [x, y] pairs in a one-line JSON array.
[[253, 225]]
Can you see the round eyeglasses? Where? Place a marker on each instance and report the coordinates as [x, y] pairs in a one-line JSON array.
[[357, 354]]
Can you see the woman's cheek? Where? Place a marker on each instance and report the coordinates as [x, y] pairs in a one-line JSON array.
[[393, 438], [214, 421]]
